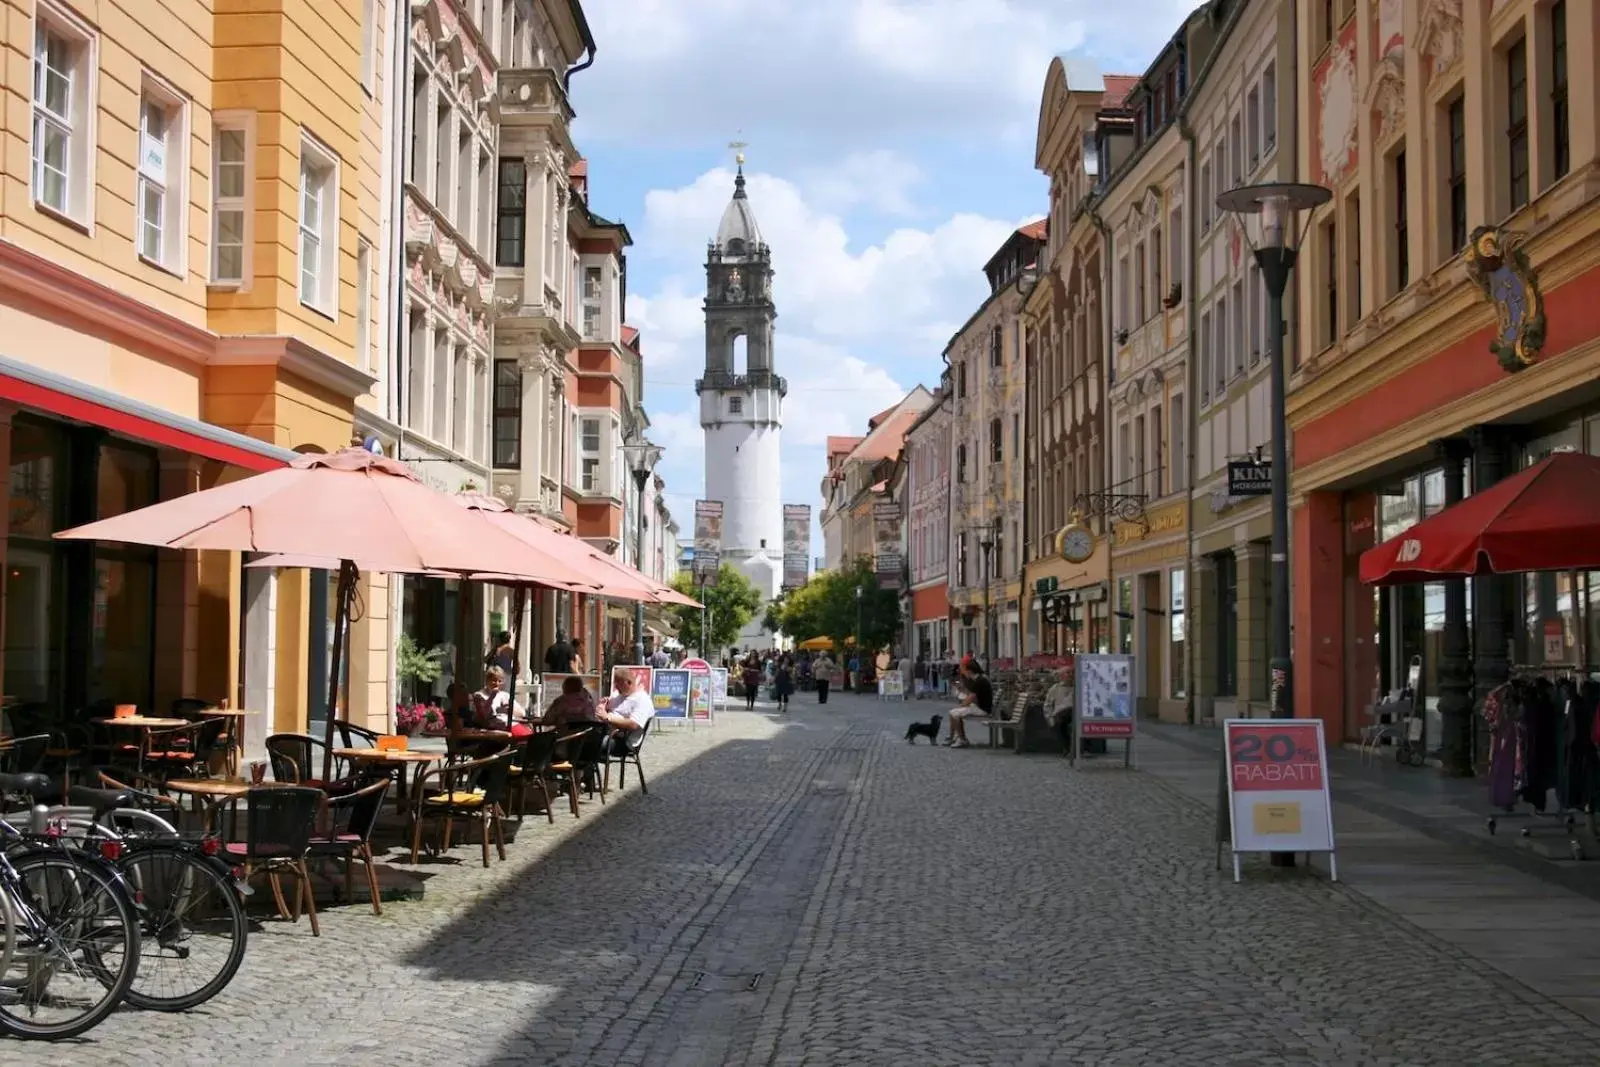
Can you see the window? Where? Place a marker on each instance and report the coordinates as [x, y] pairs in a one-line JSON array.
[[1205, 197], [439, 428], [1220, 363], [418, 150], [1175, 249], [589, 455], [1141, 306], [1156, 291], [483, 231], [1180, 445], [1402, 228], [507, 414], [1124, 297], [1269, 107], [364, 304], [1560, 116], [736, 405], [511, 219], [1517, 124], [1252, 127], [1254, 312], [996, 441], [1330, 268], [63, 72], [416, 401], [1124, 456], [1236, 144], [442, 142], [1352, 258], [1016, 434], [591, 302], [1456, 174], [231, 158], [461, 400], [961, 378], [996, 346], [369, 46], [961, 463], [159, 196], [961, 558], [466, 168], [319, 227], [1203, 338], [1237, 307], [1175, 632]]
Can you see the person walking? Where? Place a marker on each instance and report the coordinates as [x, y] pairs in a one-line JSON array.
[[558, 657], [822, 672], [751, 677], [783, 682]]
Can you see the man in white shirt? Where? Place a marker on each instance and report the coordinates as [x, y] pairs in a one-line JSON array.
[[627, 712]]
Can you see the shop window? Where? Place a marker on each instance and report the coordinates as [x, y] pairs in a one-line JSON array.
[[1176, 624], [1227, 643]]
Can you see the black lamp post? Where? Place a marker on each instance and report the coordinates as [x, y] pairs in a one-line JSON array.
[[986, 535], [641, 457], [1275, 249], [861, 642]]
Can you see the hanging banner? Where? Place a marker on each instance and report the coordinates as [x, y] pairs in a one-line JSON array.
[[1275, 788], [886, 543], [707, 540], [796, 544]]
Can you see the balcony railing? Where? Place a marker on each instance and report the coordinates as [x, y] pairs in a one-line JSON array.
[[723, 380]]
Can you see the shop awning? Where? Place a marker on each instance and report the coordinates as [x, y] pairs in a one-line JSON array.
[[31, 387]]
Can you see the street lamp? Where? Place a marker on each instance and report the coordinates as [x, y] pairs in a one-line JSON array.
[[986, 536], [855, 682], [641, 457], [1278, 204]]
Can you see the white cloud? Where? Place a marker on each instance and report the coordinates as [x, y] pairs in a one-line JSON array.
[[879, 180], [849, 73]]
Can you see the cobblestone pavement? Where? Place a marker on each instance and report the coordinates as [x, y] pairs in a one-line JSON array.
[[810, 890]]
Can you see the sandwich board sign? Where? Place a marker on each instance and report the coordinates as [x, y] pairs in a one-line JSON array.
[[1103, 702], [1274, 791]]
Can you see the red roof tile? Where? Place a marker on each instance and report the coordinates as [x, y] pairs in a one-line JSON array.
[[872, 423], [1037, 230], [1118, 86], [837, 445], [886, 440], [579, 169], [629, 335]]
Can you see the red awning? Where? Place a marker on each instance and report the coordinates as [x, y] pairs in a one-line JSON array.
[[1546, 518], [31, 387]]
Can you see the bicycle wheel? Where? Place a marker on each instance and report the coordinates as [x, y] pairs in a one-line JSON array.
[[192, 928], [77, 947]]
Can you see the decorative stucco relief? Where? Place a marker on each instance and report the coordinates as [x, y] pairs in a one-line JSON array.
[[1439, 34], [1336, 102]]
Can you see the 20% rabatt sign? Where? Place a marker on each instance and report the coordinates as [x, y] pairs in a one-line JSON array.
[[1276, 788]]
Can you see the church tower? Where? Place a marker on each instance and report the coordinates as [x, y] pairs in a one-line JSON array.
[[741, 402]]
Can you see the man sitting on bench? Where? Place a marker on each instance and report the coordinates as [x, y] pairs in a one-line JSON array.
[[977, 702]]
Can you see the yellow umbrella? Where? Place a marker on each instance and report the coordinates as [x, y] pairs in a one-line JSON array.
[[817, 644]]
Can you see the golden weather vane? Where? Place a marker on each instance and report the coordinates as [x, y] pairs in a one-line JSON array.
[[738, 147]]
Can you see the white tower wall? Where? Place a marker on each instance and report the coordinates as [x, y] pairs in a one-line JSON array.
[[743, 470]]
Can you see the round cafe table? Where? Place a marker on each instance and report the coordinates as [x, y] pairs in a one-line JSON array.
[[211, 794], [235, 737], [403, 759]]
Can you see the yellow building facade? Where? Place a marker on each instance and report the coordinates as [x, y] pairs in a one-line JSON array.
[[189, 291]]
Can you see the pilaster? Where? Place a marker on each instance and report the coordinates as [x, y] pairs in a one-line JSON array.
[[1202, 611], [370, 699], [1254, 622]]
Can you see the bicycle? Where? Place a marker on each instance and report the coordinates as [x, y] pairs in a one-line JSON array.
[[72, 936], [193, 923]]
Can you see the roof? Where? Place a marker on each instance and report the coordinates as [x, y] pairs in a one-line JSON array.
[[630, 334], [842, 444], [884, 414], [887, 439], [1118, 86], [1039, 230], [738, 221], [579, 168]]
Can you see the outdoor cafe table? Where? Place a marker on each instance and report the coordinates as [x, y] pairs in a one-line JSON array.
[[396, 757], [212, 793], [144, 724], [235, 738]]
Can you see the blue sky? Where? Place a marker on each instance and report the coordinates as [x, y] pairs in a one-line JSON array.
[[890, 153]]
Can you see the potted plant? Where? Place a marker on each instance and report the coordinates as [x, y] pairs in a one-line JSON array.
[[416, 666], [434, 723], [408, 718]]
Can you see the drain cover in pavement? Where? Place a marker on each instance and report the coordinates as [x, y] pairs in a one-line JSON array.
[[706, 982]]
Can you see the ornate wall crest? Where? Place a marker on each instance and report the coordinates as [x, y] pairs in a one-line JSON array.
[[1498, 266], [1337, 112]]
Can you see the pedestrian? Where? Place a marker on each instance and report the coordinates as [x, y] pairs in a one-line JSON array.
[[558, 657], [502, 654], [783, 682], [751, 677], [659, 658], [853, 667], [822, 671], [577, 655]]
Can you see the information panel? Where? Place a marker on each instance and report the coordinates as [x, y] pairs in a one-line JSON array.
[[669, 692], [1104, 703], [1276, 774]]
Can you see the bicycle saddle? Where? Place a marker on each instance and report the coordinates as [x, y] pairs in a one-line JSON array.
[[35, 785], [102, 800]]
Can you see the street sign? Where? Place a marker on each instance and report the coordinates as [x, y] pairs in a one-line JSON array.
[[1277, 788], [1248, 477]]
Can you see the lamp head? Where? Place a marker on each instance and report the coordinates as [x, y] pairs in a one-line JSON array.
[[1277, 204]]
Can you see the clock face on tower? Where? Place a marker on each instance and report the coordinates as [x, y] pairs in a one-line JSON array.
[[1076, 543]]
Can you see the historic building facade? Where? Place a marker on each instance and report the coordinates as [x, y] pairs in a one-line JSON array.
[[1143, 205], [925, 501], [1068, 338], [1448, 335], [1244, 131], [188, 292]]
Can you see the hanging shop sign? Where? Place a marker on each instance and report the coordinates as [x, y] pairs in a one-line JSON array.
[[1274, 791], [707, 540], [1104, 702], [1249, 477]]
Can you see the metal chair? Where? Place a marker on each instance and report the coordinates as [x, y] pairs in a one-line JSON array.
[[278, 831]]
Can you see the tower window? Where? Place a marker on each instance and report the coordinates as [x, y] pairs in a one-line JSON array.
[[736, 405], [996, 442]]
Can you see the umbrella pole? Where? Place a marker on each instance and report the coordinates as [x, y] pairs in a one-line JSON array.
[[519, 602], [341, 625]]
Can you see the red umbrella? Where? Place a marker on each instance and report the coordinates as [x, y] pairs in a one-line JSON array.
[[1546, 518], [351, 506]]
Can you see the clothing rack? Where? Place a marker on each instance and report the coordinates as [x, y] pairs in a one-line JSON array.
[[1542, 747]]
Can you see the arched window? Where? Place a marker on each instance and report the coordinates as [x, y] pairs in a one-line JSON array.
[[740, 358]]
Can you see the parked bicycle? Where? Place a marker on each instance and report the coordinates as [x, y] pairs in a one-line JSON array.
[[71, 937]]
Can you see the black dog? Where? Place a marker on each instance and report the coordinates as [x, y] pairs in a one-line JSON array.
[[929, 729]]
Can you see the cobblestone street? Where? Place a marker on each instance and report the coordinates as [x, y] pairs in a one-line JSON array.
[[809, 889]]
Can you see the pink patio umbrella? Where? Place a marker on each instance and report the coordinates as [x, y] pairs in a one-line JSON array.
[[348, 506]]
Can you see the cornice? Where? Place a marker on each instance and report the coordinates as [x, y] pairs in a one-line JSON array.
[[295, 356]]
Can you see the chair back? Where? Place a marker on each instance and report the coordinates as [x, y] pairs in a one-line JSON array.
[[293, 757], [24, 755], [353, 736], [588, 746], [281, 821], [488, 775], [635, 741], [539, 752], [357, 813]]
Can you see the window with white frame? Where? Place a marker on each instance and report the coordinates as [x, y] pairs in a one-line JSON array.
[[63, 78], [364, 304], [592, 305], [1269, 106], [1237, 305], [319, 227], [369, 46], [589, 454], [159, 198], [1252, 127], [231, 158]]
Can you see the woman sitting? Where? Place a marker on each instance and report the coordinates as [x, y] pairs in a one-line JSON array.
[[493, 708], [575, 704]]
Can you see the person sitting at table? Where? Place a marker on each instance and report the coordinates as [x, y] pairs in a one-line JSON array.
[[627, 712], [493, 708], [458, 707], [575, 704]]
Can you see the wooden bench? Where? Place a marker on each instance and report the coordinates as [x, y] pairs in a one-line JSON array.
[[997, 726]]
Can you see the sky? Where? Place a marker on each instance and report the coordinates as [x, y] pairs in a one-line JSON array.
[[890, 153]]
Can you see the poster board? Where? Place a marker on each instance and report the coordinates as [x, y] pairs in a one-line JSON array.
[[719, 688], [1104, 705], [1275, 788], [891, 686], [550, 688], [700, 696], [669, 692]]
